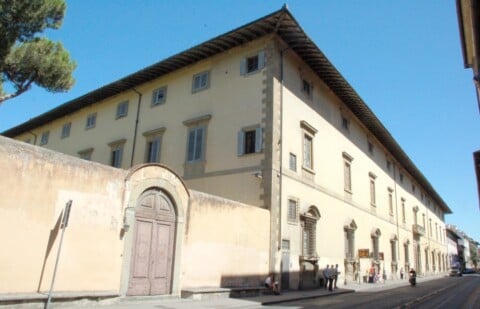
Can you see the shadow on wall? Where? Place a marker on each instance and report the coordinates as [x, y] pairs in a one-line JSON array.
[[51, 240], [305, 280]]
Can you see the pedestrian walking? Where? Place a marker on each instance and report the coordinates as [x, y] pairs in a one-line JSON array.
[[325, 276], [335, 276]]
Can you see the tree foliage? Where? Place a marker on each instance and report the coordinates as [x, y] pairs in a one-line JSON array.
[[27, 59]]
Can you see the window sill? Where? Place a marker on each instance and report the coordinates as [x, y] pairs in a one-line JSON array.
[[308, 259], [308, 170]]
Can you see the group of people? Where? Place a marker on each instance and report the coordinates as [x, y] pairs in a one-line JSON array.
[[330, 276]]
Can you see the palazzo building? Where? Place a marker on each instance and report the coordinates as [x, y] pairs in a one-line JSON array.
[[260, 116]]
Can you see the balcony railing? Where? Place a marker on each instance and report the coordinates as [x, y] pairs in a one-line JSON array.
[[418, 229]]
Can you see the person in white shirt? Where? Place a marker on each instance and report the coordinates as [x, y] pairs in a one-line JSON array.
[[272, 284]]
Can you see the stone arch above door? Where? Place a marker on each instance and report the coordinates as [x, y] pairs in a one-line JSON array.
[[160, 187]]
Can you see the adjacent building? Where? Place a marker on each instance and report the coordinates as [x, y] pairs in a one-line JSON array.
[[259, 115], [468, 12]]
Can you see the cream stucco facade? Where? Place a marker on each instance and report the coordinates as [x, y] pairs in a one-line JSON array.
[[272, 125]]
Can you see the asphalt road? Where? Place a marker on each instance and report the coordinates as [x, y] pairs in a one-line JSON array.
[[450, 292]]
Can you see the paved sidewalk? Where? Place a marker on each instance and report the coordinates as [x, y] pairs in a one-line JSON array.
[[253, 302]]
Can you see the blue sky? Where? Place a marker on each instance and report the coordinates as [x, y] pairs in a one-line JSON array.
[[402, 57]]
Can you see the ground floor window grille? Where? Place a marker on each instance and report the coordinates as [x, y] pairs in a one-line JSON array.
[[309, 232]]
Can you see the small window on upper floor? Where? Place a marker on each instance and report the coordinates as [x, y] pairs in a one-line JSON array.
[[153, 145], [292, 214], [91, 121], [28, 141], [66, 130], [201, 81], [86, 154], [159, 96], [122, 109], [44, 138], [345, 123], [252, 64], [370, 147], [307, 87], [401, 178], [389, 164], [116, 152], [249, 141], [293, 162]]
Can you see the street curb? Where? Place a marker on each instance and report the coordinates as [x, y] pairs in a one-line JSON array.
[[294, 298]]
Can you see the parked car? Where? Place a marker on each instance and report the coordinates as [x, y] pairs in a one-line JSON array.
[[455, 271], [468, 271]]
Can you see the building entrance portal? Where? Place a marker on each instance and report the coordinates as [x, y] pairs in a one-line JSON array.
[[154, 237]]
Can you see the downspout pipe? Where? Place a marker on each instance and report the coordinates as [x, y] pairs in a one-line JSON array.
[[136, 125]]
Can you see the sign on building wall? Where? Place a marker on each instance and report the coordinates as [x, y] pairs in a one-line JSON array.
[[363, 253]]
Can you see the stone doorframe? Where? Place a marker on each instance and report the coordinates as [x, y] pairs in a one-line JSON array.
[[140, 179]]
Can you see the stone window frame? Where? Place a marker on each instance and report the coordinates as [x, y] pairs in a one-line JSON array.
[[45, 137], [293, 214], [155, 96], [91, 121], [122, 109], [66, 128], [252, 63], [308, 134], [116, 152], [153, 136], [257, 146], [347, 172], [86, 154], [197, 83]]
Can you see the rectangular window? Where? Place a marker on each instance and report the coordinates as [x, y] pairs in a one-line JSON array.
[[195, 144], [116, 152], [122, 109], [249, 141], [375, 248], [307, 151], [153, 149], [159, 96], [292, 211], [309, 239], [116, 159], [44, 138], [293, 162], [390, 201], [91, 121], [86, 154], [349, 244], [372, 190], [370, 147], [347, 172], [153, 145], [201, 81], [66, 130], [345, 123], [252, 64], [306, 87], [403, 211]]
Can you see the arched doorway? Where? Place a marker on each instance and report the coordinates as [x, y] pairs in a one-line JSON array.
[[153, 244]]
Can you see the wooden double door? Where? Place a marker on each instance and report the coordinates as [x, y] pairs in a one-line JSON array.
[[154, 237]]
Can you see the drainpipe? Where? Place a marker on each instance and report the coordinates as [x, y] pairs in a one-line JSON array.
[[136, 125], [34, 137]]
